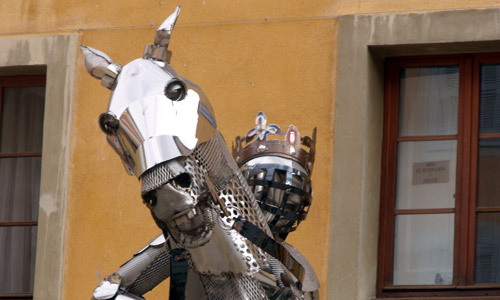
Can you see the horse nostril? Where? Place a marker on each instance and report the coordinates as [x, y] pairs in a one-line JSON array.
[[175, 90], [182, 181]]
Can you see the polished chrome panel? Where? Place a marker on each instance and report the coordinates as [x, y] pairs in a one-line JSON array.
[[162, 37], [100, 66], [153, 128], [278, 171], [159, 50], [310, 282]]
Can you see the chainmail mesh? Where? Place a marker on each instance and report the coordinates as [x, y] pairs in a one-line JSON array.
[[145, 270], [198, 174], [229, 286], [253, 203], [228, 180], [156, 177], [239, 204], [234, 191], [215, 157], [212, 160], [277, 268], [156, 272]]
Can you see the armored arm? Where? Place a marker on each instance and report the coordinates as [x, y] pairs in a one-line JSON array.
[[145, 270], [285, 286]]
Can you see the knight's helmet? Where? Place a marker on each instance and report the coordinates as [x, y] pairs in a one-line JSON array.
[[278, 171]]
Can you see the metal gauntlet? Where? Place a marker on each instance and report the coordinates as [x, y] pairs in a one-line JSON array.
[[148, 268]]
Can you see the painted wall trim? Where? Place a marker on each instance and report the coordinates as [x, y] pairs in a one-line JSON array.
[[363, 43], [58, 53]]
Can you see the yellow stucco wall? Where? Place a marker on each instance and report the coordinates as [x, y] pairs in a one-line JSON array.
[[23, 16], [276, 56]]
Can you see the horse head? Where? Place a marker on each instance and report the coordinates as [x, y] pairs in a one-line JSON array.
[[163, 128]]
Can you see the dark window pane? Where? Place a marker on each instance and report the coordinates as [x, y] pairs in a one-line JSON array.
[[488, 180], [20, 188], [22, 119], [428, 101], [489, 105], [17, 259], [488, 248]]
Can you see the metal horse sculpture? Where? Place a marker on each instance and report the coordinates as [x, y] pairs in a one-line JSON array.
[[163, 128]]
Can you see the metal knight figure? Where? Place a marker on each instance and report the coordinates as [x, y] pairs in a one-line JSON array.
[[216, 243]]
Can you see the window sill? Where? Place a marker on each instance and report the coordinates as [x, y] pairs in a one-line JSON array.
[[16, 296]]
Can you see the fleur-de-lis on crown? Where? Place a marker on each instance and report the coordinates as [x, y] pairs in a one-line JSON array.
[[261, 129]]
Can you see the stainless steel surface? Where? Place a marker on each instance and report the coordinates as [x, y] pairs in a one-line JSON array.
[[310, 282], [96, 61], [152, 128], [192, 217], [194, 288], [100, 66], [162, 37], [278, 166], [163, 128], [175, 202], [230, 286], [161, 174], [159, 50], [226, 251], [146, 269], [287, 144], [106, 290], [128, 297]]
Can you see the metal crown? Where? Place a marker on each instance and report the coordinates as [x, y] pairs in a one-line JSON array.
[[256, 143]]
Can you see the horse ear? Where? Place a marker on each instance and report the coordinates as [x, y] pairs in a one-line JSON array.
[[96, 61], [162, 37], [100, 66]]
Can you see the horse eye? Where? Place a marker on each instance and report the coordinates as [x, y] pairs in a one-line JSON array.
[[109, 123], [150, 198], [182, 181], [175, 90]]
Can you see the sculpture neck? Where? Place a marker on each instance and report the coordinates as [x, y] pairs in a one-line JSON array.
[[224, 253]]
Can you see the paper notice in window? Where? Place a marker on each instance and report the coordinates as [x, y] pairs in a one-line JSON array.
[[431, 172]]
